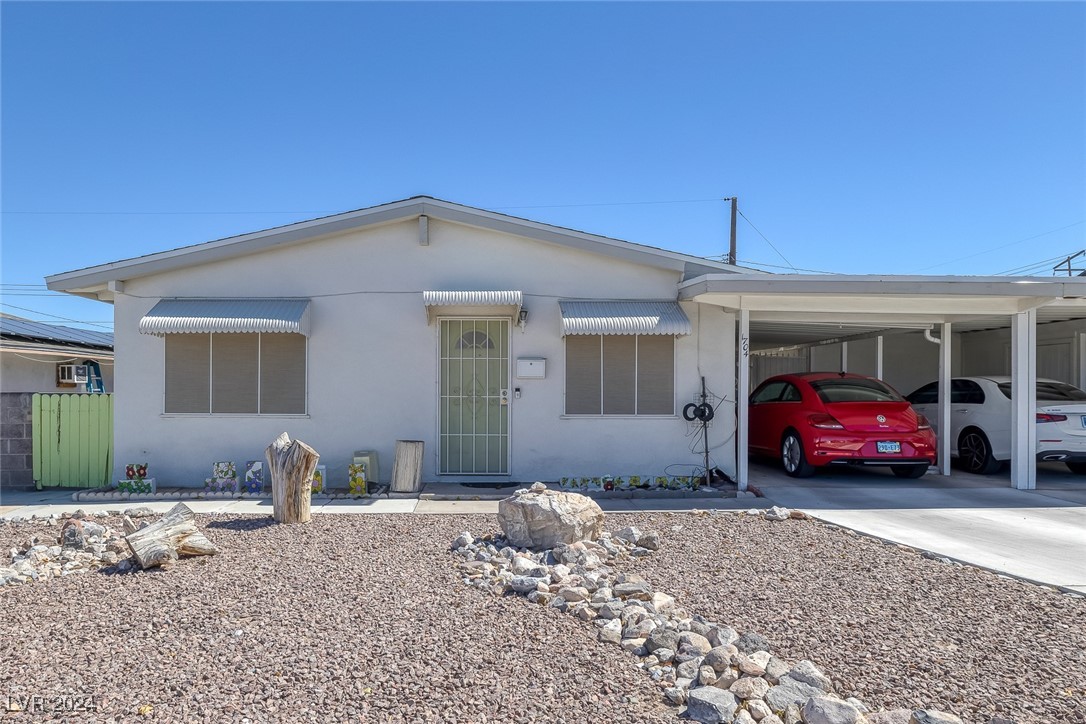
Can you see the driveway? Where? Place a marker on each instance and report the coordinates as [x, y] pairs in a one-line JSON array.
[[1039, 535]]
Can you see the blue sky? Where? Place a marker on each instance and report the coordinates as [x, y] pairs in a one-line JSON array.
[[932, 138]]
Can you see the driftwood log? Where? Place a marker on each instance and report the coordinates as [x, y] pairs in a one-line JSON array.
[[291, 466], [174, 535], [407, 467]]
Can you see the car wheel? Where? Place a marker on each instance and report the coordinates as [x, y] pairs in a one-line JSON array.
[[793, 458], [909, 471], [975, 453], [1077, 468]]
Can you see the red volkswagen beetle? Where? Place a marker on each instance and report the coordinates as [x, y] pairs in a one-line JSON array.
[[834, 418]]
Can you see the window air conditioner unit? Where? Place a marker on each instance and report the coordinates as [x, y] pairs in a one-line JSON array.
[[72, 374]]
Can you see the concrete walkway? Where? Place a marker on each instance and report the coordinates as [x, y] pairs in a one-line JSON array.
[[1036, 535]]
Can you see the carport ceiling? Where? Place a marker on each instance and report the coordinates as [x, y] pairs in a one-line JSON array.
[[765, 334]]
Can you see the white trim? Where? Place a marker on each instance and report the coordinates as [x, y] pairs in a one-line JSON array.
[[742, 403], [1024, 400], [943, 441]]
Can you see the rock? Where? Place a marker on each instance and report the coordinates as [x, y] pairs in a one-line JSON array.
[[861, 706], [695, 641], [640, 591], [750, 642], [790, 692], [573, 594], [893, 716], [611, 632], [650, 540], [584, 613], [545, 518], [808, 673], [719, 657], [748, 665], [664, 656], [71, 535], [141, 512], [726, 678], [758, 709], [629, 534], [744, 717], [932, 716], [632, 645], [465, 540], [798, 515], [524, 566], [721, 635], [772, 719], [824, 710], [610, 610], [93, 530], [689, 669], [711, 705], [750, 687], [778, 513], [525, 584], [662, 638], [707, 675], [663, 603], [675, 695], [775, 668]]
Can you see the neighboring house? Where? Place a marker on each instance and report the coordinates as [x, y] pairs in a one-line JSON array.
[[40, 357], [515, 350]]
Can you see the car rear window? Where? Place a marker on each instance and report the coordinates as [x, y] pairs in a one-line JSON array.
[[854, 390], [1050, 392]]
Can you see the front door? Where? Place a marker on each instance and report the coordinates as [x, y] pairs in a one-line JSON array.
[[474, 402]]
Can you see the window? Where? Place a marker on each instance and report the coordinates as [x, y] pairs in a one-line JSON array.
[[1050, 391], [854, 390], [620, 375], [236, 374], [769, 392]]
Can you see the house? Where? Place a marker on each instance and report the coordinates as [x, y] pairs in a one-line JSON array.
[[515, 350], [46, 358]]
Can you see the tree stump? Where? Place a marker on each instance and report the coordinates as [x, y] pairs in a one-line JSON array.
[[174, 535], [407, 467], [291, 466]]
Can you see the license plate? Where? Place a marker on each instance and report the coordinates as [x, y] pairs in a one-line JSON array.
[[889, 447]]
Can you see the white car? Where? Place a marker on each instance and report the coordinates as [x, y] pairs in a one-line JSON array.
[[980, 421]]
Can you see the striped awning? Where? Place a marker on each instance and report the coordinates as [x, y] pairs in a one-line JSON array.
[[188, 316], [509, 300], [623, 317]]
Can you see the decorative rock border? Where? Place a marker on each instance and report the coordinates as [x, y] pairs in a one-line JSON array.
[[104, 494], [718, 674]]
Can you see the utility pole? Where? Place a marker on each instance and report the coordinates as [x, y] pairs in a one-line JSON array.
[[731, 247]]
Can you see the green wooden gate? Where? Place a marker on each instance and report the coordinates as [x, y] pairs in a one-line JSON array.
[[73, 440]]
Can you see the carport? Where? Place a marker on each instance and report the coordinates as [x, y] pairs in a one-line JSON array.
[[841, 307]]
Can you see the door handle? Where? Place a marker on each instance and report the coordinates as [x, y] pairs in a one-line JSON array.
[[962, 410]]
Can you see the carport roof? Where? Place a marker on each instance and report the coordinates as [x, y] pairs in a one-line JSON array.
[[800, 309]]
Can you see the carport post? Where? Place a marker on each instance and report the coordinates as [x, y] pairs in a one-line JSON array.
[[844, 356], [1024, 400], [742, 387], [878, 356], [945, 345]]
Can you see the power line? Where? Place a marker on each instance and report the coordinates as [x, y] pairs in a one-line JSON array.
[[782, 256], [1004, 246], [69, 212], [54, 316]]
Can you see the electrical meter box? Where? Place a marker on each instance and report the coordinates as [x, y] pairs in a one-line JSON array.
[[531, 368]]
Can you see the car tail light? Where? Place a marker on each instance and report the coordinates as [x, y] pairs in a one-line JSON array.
[[825, 422], [1045, 417], [922, 423]]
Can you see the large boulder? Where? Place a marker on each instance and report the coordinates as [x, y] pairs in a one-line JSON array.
[[541, 518]]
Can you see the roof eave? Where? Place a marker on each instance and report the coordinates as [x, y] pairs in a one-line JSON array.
[[91, 281]]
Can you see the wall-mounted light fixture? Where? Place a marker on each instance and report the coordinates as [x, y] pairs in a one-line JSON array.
[[522, 318]]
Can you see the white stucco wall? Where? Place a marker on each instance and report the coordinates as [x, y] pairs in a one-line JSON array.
[[373, 369], [1059, 353], [908, 360], [25, 371]]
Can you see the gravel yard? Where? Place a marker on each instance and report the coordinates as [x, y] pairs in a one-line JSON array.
[[362, 617]]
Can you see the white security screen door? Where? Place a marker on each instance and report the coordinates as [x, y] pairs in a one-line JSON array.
[[474, 408]]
